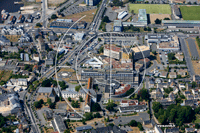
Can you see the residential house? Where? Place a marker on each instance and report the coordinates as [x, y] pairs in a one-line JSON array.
[[151, 83], [179, 57], [192, 102], [17, 82], [171, 130], [190, 97], [12, 30], [29, 19], [182, 72], [189, 130], [4, 41], [82, 128], [163, 74], [157, 94], [9, 104], [172, 75]]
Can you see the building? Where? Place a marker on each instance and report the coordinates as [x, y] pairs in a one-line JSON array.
[[112, 51], [36, 57], [189, 130], [79, 25], [73, 94], [182, 72], [140, 52], [4, 41], [47, 92], [20, 19], [155, 38], [82, 128], [49, 62], [9, 104], [163, 74], [12, 20], [24, 38], [11, 49], [117, 26], [125, 103], [108, 129], [172, 75], [87, 107], [29, 19], [91, 2], [74, 116], [41, 43], [79, 36], [173, 45], [12, 30], [136, 108], [58, 124], [94, 63], [121, 76], [179, 57], [142, 16], [181, 23], [17, 82], [122, 14]]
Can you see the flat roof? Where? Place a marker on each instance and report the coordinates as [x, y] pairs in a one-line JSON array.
[[60, 124], [182, 21], [142, 15], [141, 48], [117, 23]]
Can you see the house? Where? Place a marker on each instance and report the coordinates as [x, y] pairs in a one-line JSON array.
[[24, 38], [9, 104], [17, 82], [192, 102], [195, 91], [94, 63], [136, 108], [58, 124], [29, 19], [179, 57], [190, 97], [4, 41], [157, 94], [74, 116], [125, 103], [112, 51], [20, 19], [108, 129], [12, 30], [47, 92], [171, 130], [72, 93], [165, 102], [196, 78], [155, 38], [171, 97], [189, 130], [36, 57], [182, 72], [82, 128], [151, 83], [163, 74], [172, 75]]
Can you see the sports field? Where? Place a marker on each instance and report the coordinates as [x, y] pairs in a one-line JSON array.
[[151, 8], [190, 12]]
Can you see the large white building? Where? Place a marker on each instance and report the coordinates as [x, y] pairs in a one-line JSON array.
[[122, 14], [112, 51], [17, 82], [94, 63], [73, 94], [79, 36]]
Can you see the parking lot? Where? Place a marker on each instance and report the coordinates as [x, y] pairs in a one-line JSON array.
[[193, 48]]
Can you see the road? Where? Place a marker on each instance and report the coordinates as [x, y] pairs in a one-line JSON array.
[[187, 56]]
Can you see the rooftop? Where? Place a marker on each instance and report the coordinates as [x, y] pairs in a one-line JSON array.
[[140, 48]]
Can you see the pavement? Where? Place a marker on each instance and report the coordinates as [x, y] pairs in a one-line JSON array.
[[187, 56], [193, 48], [40, 113]]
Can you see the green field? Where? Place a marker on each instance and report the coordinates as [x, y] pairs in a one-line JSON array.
[[190, 13], [151, 8]]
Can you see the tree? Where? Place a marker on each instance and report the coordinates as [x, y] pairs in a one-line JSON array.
[[77, 88], [54, 16], [52, 105], [132, 123], [67, 131], [37, 104], [2, 121], [96, 107], [69, 99], [197, 125], [80, 99], [194, 84], [171, 56], [154, 52], [49, 101], [110, 106], [189, 3], [39, 25], [88, 116], [46, 83], [97, 115], [99, 39], [144, 94], [139, 125], [132, 11], [166, 18], [101, 49], [157, 21], [106, 19]]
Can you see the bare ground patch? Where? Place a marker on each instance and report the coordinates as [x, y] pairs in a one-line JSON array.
[[153, 17]]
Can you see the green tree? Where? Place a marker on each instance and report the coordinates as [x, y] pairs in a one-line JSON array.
[[144, 94], [157, 21], [194, 84], [88, 116], [2, 121], [69, 99], [37, 104], [110, 106], [97, 115], [39, 25], [54, 16], [77, 88], [49, 101], [166, 18], [96, 107], [132, 123], [106, 19], [80, 99], [171, 56]]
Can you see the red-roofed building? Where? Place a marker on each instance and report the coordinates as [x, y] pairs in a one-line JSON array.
[[112, 51]]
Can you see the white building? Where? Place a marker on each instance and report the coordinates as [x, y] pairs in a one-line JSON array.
[[73, 94], [12, 31], [79, 36], [17, 82], [36, 57], [122, 14], [94, 63]]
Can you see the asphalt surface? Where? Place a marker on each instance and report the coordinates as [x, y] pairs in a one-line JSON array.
[[187, 56], [193, 48]]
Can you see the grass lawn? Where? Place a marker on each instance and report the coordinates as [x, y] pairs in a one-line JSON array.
[[190, 12], [6, 75], [197, 119], [151, 8], [13, 38], [89, 15]]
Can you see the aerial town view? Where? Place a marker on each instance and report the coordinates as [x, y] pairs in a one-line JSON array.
[[100, 66]]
